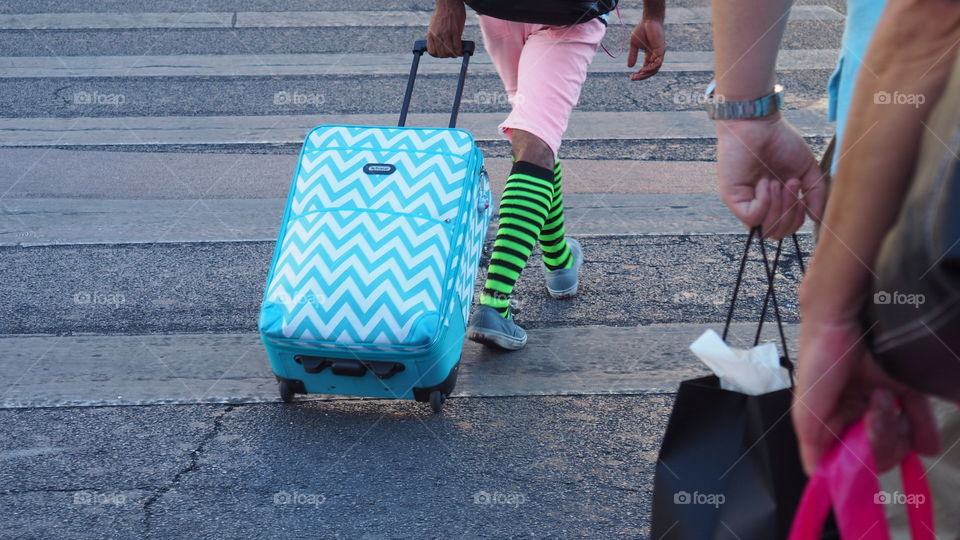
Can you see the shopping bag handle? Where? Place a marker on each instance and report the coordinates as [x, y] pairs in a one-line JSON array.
[[771, 294], [846, 480]]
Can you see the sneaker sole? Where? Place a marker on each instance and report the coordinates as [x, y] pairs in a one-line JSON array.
[[572, 291], [569, 292], [497, 340], [562, 295]]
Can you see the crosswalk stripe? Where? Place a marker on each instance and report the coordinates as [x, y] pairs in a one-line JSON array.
[[205, 130], [96, 174], [43, 222], [232, 368], [258, 65], [294, 19]]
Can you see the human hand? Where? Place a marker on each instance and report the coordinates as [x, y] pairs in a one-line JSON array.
[[763, 167], [838, 382], [445, 34], [648, 36]]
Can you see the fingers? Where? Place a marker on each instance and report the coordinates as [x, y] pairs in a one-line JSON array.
[[652, 43], [792, 213], [444, 46], [894, 432], [815, 192], [773, 219], [824, 403], [814, 434], [638, 39], [436, 47], [651, 67], [652, 63], [888, 431], [748, 204], [799, 210], [785, 213], [924, 431], [652, 58]]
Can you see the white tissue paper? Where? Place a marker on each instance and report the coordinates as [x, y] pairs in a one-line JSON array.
[[753, 371]]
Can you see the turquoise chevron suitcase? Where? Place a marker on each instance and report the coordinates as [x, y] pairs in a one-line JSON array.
[[373, 273]]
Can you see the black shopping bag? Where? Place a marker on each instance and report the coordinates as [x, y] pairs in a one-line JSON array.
[[729, 465]]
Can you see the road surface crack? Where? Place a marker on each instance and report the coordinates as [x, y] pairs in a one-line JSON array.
[[193, 465]]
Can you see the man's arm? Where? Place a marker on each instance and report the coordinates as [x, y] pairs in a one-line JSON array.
[[763, 164], [912, 52], [746, 39]]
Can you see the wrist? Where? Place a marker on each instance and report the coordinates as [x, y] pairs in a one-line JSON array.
[[450, 7], [654, 10], [733, 124], [825, 299], [738, 129], [720, 106]]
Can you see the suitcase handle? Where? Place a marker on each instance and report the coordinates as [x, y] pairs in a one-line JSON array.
[[349, 367], [419, 48]]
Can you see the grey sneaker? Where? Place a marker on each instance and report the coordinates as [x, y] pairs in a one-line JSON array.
[[489, 328], [563, 283]]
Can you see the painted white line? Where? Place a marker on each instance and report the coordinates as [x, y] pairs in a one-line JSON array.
[[233, 368], [250, 65], [225, 130], [100, 174], [294, 19], [32, 222]]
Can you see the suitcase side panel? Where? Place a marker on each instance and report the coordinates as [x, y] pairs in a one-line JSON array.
[[439, 186], [472, 231], [359, 277], [426, 367], [424, 371], [433, 140]]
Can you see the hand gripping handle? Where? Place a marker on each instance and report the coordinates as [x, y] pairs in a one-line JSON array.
[[419, 48]]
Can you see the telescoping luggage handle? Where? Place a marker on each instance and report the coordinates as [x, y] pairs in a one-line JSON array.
[[419, 48]]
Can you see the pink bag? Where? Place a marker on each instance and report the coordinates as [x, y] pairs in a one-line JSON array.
[[846, 479]]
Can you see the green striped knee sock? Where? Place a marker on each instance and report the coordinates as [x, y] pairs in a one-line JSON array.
[[524, 206], [553, 243]]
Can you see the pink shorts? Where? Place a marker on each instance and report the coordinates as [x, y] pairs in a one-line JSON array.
[[542, 68]]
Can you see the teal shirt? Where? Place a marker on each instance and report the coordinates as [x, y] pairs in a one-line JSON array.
[[862, 17]]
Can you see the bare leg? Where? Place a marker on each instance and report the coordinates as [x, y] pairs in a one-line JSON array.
[[530, 148]]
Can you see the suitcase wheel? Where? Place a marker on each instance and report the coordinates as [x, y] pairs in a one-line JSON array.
[[436, 400], [286, 391]]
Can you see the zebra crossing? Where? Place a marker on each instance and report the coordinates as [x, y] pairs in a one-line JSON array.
[[103, 153], [147, 149]]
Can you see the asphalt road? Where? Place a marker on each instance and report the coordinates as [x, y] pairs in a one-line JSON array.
[[508, 467], [217, 287], [111, 301]]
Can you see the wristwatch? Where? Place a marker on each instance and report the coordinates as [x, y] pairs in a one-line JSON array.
[[720, 109]]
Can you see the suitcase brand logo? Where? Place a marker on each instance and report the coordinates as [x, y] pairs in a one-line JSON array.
[[379, 168]]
